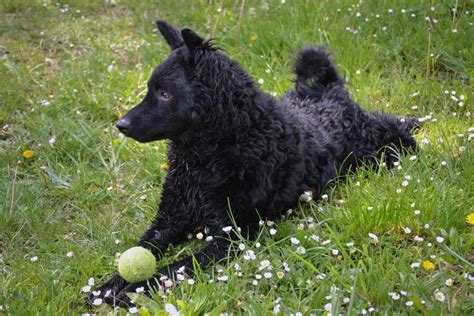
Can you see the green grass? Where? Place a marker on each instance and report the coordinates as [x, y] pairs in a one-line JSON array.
[[70, 71]]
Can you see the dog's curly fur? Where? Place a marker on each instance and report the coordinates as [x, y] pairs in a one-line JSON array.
[[234, 147]]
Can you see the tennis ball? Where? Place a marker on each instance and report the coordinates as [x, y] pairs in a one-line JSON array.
[[137, 264]]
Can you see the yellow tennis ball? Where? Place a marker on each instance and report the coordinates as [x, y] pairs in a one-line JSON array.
[[137, 264]]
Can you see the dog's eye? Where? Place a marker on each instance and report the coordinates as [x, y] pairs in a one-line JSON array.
[[164, 95]]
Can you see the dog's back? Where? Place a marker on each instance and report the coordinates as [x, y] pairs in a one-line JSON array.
[[326, 109]]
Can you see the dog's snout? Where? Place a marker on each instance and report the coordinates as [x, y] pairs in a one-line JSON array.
[[123, 125]]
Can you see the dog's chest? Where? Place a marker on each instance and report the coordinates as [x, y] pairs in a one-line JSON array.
[[197, 181]]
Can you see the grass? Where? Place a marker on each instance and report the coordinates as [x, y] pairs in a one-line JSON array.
[[70, 70]]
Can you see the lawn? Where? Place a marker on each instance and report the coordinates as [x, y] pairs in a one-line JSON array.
[[75, 193]]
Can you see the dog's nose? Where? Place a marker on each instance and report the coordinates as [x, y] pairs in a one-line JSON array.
[[123, 125]]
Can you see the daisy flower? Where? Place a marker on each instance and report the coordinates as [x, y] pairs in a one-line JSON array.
[[415, 265], [306, 196], [328, 307], [418, 238], [249, 255], [52, 141], [294, 241], [300, 250], [439, 296], [97, 301], [276, 309], [170, 308], [265, 264], [394, 295], [223, 278], [374, 238]]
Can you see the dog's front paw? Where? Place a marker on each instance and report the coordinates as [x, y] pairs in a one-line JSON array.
[[107, 291], [122, 299], [119, 299]]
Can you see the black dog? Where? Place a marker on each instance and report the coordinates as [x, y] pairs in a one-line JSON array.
[[233, 147]]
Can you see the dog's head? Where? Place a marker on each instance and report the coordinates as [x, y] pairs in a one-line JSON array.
[[164, 111], [196, 87]]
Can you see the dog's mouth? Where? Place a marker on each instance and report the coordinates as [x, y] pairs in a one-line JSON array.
[[139, 136]]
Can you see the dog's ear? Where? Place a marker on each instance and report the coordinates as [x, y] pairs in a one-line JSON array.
[[191, 39], [171, 35]]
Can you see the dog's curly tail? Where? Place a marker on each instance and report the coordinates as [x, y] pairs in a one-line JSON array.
[[315, 72]]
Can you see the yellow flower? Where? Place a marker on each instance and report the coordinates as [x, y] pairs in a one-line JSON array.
[[27, 154], [470, 219], [253, 37], [164, 166], [428, 265]]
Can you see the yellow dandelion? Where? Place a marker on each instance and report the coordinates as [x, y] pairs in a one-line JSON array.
[[28, 154], [164, 166], [470, 219], [253, 37], [428, 265]]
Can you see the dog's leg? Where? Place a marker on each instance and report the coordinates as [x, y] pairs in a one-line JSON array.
[[157, 238], [216, 249]]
